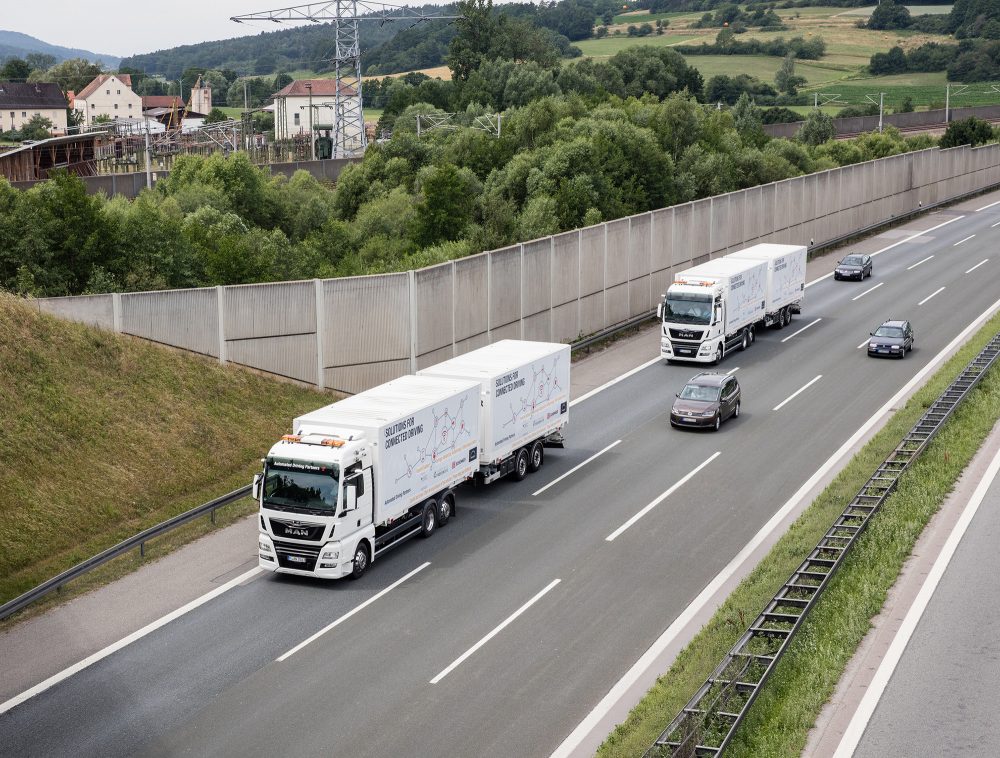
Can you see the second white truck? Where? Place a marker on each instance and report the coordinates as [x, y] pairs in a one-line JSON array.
[[361, 475], [716, 307]]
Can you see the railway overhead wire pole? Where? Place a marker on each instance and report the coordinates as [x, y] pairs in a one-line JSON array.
[[349, 128]]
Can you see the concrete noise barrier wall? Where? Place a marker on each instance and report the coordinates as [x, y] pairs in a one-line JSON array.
[[353, 333]]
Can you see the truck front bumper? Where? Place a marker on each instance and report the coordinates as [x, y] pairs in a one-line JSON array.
[[322, 566], [703, 353]]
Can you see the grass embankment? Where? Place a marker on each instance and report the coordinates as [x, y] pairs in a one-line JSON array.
[[102, 436], [804, 679]]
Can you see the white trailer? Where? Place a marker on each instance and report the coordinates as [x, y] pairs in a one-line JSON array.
[[525, 401], [712, 308], [361, 475], [786, 279]]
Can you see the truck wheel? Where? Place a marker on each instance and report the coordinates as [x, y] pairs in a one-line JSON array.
[[745, 342], [520, 465], [445, 510], [718, 356], [430, 519], [753, 334], [360, 561], [788, 314], [537, 457]]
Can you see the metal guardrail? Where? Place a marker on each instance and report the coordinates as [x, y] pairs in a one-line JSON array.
[[705, 726], [131, 543]]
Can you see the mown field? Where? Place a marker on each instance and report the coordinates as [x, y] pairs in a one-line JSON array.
[[102, 436]]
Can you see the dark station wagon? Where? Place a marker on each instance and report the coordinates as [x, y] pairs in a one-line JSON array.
[[892, 340], [707, 400]]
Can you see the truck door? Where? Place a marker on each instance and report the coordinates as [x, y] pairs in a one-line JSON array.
[[357, 511]]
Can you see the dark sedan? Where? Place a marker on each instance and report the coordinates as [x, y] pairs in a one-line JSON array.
[[707, 400], [854, 267], [893, 339]]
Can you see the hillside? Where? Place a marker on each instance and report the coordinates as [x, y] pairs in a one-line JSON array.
[[17, 45], [102, 436]]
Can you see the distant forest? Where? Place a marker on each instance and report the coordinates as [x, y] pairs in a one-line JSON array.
[[387, 48]]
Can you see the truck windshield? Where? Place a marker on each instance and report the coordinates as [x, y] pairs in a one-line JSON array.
[[308, 488], [687, 309]]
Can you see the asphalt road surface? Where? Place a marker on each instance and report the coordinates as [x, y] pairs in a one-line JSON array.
[[500, 633]]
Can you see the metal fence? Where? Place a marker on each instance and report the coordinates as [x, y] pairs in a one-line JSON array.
[[353, 333], [915, 120]]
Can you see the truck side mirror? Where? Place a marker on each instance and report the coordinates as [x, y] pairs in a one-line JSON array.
[[659, 310], [255, 487]]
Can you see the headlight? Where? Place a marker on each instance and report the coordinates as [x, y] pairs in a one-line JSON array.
[[708, 413], [330, 555], [665, 343], [263, 546], [872, 345], [894, 347]]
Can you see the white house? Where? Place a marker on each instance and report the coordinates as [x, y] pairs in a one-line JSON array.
[[20, 102], [108, 95], [292, 112]]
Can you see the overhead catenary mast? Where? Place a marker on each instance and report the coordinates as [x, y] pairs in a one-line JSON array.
[[349, 121]]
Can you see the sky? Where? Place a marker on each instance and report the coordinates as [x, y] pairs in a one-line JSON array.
[[132, 28]]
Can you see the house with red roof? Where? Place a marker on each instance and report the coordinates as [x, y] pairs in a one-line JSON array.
[[108, 95], [307, 103]]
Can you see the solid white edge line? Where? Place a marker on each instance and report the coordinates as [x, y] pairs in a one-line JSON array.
[[965, 240], [614, 381], [350, 613], [797, 392], [995, 225], [919, 262], [985, 260], [733, 370], [867, 291], [628, 680], [617, 532], [863, 344], [575, 468], [935, 292], [793, 334], [458, 661], [987, 206], [126, 641], [873, 693], [896, 244]]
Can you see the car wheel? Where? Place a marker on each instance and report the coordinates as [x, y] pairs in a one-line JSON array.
[[521, 465], [836, 277], [736, 410], [718, 420], [360, 561], [536, 457]]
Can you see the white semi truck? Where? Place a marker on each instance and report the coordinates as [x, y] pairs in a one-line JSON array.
[[361, 475], [716, 307]]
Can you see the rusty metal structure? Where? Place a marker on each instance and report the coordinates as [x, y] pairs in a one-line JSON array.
[[77, 153]]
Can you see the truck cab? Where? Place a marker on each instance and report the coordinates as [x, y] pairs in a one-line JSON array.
[[693, 315], [315, 495]]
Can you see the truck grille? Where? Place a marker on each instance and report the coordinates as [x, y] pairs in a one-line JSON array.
[[297, 530], [687, 334], [294, 556]]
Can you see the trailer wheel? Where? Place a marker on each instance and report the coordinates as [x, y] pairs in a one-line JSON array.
[[360, 561], [445, 510], [430, 519], [537, 457], [520, 465]]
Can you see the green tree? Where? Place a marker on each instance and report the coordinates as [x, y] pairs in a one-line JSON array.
[[747, 120], [215, 116], [40, 60], [888, 15], [73, 74], [447, 197], [37, 128], [476, 33], [971, 131], [817, 129], [785, 79], [15, 70]]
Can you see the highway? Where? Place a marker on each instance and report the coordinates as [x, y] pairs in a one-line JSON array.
[[499, 635]]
